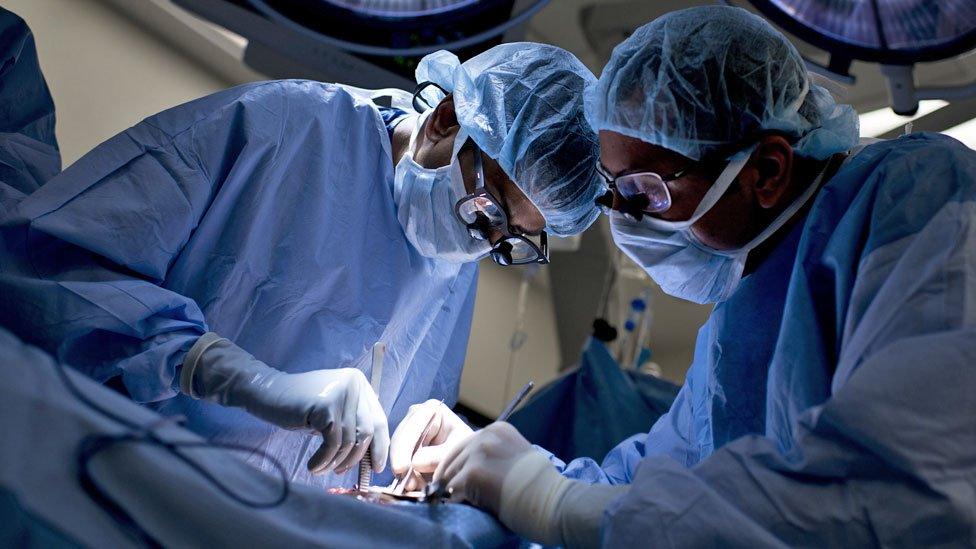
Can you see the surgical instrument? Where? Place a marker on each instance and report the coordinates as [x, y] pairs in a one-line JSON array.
[[375, 378], [435, 492]]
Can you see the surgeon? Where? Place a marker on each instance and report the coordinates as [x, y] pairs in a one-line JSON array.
[[831, 398], [233, 260]]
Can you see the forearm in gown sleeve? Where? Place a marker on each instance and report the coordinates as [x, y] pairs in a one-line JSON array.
[[85, 256], [888, 460]]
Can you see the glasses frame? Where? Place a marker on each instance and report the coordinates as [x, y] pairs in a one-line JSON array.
[[418, 98], [631, 207], [501, 250]]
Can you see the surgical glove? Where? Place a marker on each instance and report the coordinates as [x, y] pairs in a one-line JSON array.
[[423, 439], [498, 470], [474, 470], [338, 404]]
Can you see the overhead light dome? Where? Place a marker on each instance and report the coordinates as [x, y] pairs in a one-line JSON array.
[[401, 8], [882, 31]]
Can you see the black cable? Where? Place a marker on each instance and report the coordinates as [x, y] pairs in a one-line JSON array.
[[89, 446], [92, 445]]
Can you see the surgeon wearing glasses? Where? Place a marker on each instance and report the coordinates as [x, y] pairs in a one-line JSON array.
[[494, 215], [233, 260], [518, 243]]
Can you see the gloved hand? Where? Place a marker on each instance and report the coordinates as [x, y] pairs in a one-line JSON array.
[[433, 430], [499, 471], [474, 470], [338, 404]]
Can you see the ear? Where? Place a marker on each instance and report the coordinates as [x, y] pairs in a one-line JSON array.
[[442, 122], [773, 165]]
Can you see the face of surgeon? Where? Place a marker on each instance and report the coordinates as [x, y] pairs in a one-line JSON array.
[[763, 189], [434, 148]]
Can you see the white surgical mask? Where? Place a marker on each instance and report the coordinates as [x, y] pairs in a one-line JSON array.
[[425, 200], [678, 261]]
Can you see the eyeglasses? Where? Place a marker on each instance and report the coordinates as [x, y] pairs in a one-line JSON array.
[[482, 213], [643, 192], [418, 97]]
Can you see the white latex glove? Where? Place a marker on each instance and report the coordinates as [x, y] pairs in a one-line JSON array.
[[446, 430], [338, 404], [475, 470], [499, 471]]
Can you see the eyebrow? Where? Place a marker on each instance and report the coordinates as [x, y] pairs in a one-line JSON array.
[[643, 169]]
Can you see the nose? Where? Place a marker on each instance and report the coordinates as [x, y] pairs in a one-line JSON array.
[[524, 218], [636, 206], [494, 236]]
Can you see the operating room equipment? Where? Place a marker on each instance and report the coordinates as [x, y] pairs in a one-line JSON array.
[[629, 341], [375, 379], [265, 8], [516, 400], [895, 34], [635, 349], [328, 40], [642, 346], [519, 334]]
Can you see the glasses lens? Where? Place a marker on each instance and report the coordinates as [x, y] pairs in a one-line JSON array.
[[469, 210], [477, 234], [520, 250], [523, 253], [648, 185]]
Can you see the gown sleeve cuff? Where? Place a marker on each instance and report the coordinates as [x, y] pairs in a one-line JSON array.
[[193, 358], [542, 505]]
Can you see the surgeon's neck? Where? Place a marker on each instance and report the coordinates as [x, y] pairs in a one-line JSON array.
[[401, 137]]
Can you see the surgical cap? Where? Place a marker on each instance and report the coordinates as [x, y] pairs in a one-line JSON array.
[[698, 80], [522, 104]]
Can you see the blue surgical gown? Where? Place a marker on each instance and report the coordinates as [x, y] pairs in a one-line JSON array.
[[264, 213], [29, 153], [832, 399]]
